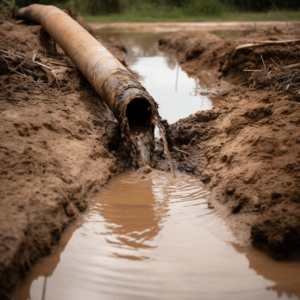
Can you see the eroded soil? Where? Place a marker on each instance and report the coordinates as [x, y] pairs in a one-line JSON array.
[[54, 147], [59, 143], [251, 139]]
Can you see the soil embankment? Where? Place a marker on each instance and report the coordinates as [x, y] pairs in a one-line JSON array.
[[251, 139], [54, 146]]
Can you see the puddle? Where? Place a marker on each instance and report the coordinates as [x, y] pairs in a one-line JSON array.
[[155, 238], [177, 94]]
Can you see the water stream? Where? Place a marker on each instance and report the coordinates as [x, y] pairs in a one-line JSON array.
[[162, 133], [153, 236]]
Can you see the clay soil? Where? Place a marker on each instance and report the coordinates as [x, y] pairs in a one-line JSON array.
[[55, 146], [59, 143]]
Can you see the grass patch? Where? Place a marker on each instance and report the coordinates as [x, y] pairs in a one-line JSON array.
[[177, 15]]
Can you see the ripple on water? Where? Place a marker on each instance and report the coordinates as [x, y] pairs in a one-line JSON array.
[[155, 238]]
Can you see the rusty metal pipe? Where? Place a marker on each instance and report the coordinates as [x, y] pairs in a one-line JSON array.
[[125, 96]]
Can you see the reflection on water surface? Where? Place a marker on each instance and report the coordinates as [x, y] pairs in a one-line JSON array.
[[155, 238]]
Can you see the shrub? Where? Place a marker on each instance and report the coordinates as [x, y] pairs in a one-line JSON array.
[[252, 5], [22, 3], [94, 7], [203, 7], [262, 5]]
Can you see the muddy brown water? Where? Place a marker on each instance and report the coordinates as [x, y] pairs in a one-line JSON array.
[[155, 238], [152, 236]]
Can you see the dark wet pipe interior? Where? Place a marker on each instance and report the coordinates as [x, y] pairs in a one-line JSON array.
[[139, 114]]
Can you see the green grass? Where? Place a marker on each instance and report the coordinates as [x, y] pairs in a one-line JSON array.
[[178, 16], [264, 16]]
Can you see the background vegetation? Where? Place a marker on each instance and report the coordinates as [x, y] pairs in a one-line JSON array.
[[147, 10]]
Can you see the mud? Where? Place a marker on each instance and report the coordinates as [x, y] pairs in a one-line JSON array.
[[59, 142]]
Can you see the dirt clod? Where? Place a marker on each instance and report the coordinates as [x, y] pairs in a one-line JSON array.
[[145, 170]]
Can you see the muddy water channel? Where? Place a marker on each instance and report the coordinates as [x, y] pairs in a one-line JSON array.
[[153, 236]]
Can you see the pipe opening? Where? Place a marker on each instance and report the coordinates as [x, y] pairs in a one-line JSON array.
[[138, 113]]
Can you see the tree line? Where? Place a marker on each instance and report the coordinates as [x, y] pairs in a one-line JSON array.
[[189, 7]]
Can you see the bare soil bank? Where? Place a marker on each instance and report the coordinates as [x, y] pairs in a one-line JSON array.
[[59, 144], [55, 136], [251, 139]]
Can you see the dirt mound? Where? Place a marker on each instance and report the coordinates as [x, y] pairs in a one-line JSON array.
[[199, 50], [251, 138], [55, 142]]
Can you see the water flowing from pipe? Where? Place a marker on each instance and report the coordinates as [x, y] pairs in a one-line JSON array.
[[162, 133]]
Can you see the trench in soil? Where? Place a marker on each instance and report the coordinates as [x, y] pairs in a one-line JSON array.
[[152, 236]]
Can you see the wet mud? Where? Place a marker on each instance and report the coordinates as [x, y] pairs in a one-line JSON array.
[[60, 144]]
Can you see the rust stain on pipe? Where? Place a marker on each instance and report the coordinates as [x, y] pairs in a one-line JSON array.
[[125, 96]]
